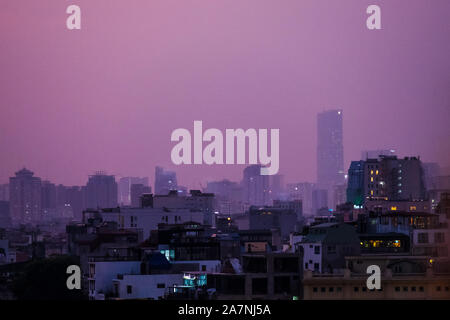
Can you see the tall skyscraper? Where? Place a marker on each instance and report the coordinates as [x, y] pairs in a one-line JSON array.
[[165, 181], [101, 191], [330, 149], [25, 197]]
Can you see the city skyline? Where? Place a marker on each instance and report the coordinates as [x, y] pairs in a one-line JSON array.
[[98, 105]]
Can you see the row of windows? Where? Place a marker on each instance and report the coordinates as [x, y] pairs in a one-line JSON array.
[[364, 289], [439, 237], [421, 289], [158, 285]]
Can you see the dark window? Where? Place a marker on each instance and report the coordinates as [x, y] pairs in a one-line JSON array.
[[282, 284], [129, 289], [259, 286], [339, 289], [323, 289], [439, 237], [421, 289], [331, 289], [397, 289], [438, 288], [356, 289], [286, 265], [315, 289], [317, 250], [203, 267], [405, 288], [161, 285], [422, 238], [332, 249]]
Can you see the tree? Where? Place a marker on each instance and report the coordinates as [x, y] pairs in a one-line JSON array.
[[45, 279]]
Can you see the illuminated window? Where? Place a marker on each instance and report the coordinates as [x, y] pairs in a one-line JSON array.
[[371, 192], [371, 171], [376, 172], [396, 244], [413, 208], [393, 208], [371, 179]]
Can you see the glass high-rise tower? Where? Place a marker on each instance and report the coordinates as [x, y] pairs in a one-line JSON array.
[[330, 149]]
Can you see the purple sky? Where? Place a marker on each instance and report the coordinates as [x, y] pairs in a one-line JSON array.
[[109, 96]]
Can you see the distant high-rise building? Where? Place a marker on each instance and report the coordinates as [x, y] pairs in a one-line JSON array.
[[5, 220], [339, 195], [431, 170], [330, 149], [4, 192], [319, 200], [101, 191], [195, 201], [48, 194], [137, 190], [294, 205], [165, 181], [25, 197], [124, 187], [224, 189], [302, 191], [276, 188], [375, 154], [228, 195], [73, 196], [255, 186]]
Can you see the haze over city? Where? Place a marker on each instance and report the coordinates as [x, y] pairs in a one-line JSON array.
[[108, 97]]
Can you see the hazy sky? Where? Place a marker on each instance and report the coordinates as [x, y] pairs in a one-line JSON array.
[[108, 97]]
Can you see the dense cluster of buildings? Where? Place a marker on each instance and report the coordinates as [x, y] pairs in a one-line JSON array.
[[258, 238]]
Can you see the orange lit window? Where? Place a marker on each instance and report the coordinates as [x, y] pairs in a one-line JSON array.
[[376, 172], [393, 208], [412, 208]]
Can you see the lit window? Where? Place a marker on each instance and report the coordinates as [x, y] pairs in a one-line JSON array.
[[393, 208], [376, 172], [413, 208]]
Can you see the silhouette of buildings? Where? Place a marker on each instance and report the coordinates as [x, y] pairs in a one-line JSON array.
[[101, 191], [25, 197], [165, 181]]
